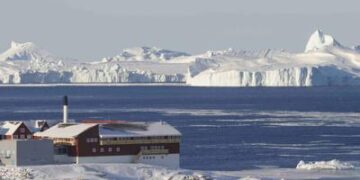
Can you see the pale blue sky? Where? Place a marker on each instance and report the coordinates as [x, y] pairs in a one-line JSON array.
[[89, 29]]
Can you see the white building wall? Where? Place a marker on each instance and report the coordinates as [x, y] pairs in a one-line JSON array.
[[23, 152]]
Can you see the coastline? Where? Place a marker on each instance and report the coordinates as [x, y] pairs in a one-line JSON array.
[[93, 84]]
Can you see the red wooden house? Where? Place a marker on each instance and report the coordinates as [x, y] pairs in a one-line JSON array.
[[14, 130]]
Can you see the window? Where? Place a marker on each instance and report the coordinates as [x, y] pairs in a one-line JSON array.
[[15, 137], [22, 136], [110, 149], [22, 130], [117, 149], [29, 136], [91, 140], [60, 150], [101, 149], [94, 150]]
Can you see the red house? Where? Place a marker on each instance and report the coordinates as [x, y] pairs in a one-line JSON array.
[[14, 130]]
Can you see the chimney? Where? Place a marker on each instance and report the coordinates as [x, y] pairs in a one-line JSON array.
[[65, 110]]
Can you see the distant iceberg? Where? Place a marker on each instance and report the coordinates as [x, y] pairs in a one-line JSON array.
[[325, 62], [324, 165]]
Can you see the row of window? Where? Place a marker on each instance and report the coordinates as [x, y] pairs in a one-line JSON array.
[[109, 149], [64, 139], [151, 157], [91, 140], [151, 147], [22, 136], [142, 138]]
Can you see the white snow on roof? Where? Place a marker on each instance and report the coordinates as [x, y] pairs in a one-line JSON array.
[[35, 125], [65, 130], [152, 129], [9, 127], [128, 129]]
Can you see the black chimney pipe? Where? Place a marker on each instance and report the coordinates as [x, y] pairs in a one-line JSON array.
[[65, 101]]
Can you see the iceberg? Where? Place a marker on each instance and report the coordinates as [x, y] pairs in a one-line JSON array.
[[324, 165], [25, 63], [319, 40], [325, 62]]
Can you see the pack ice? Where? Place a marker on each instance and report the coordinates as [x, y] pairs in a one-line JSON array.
[[325, 62]]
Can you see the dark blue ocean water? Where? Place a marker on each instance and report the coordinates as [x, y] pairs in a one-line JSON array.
[[223, 128]]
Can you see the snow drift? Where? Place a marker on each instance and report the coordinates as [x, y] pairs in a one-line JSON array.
[[325, 62]]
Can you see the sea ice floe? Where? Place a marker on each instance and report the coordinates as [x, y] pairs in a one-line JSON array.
[[324, 165]]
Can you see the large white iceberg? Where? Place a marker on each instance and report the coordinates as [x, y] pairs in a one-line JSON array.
[[325, 62], [25, 63]]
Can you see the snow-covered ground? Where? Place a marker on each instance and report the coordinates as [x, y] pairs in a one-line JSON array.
[[312, 170], [325, 62]]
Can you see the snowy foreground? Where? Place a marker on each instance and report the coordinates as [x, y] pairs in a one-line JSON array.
[[325, 62], [313, 170]]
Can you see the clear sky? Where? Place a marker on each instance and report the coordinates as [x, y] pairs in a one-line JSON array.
[[88, 29]]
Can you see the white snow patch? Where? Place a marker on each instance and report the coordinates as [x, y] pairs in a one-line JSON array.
[[14, 173]]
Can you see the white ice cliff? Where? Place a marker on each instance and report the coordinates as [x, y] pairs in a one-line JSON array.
[[26, 64], [325, 62]]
